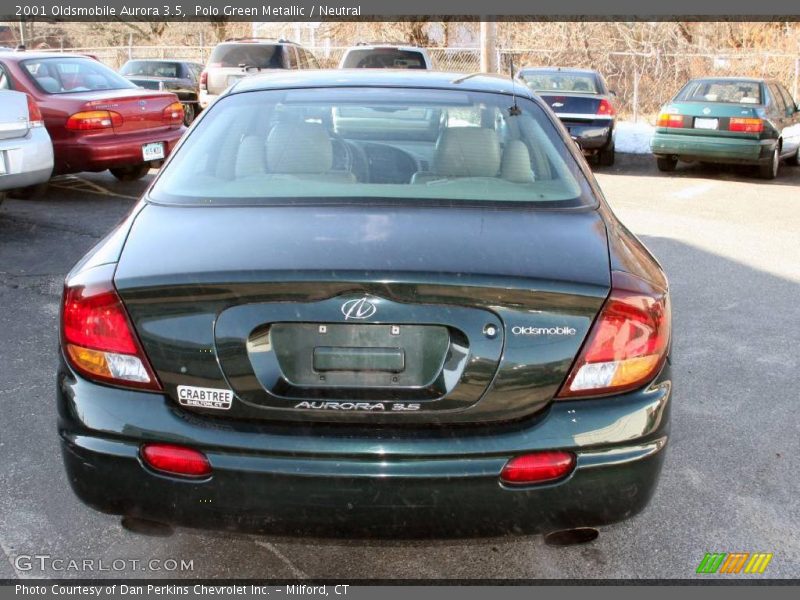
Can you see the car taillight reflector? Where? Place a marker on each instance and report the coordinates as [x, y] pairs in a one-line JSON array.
[[94, 119], [669, 120], [34, 114], [97, 336], [628, 342], [176, 460], [538, 467], [746, 125], [204, 80], [606, 109], [173, 114]]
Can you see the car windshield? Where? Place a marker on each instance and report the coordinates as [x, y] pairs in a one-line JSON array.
[[72, 74], [261, 56], [151, 68], [383, 58], [721, 90], [362, 144], [560, 81]]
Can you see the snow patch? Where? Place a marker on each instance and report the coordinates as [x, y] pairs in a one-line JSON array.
[[632, 138]]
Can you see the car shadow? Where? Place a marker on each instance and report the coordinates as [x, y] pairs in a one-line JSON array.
[[645, 165]]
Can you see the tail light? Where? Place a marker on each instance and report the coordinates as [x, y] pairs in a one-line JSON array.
[[35, 118], [606, 109], [746, 125], [538, 467], [204, 80], [176, 460], [628, 342], [669, 120], [97, 336], [94, 119], [173, 114]]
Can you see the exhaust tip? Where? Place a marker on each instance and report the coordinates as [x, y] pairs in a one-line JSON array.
[[146, 527], [571, 537]]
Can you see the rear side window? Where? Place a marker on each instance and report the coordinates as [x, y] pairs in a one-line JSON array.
[[71, 75], [370, 144], [721, 90], [777, 98], [5, 82], [262, 56], [383, 58]]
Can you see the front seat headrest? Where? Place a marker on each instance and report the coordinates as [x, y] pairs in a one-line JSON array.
[[467, 152], [297, 148], [516, 165]]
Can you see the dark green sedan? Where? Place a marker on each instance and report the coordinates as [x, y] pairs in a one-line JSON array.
[[729, 120], [319, 316]]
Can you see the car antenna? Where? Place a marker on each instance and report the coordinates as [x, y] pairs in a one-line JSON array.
[[514, 110]]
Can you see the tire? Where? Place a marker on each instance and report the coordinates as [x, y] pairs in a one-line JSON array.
[[28, 193], [605, 158], [133, 173], [794, 161], [666, 164], [189, 113], [769, 170]]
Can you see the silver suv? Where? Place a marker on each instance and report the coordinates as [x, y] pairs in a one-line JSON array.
[[234, 59]]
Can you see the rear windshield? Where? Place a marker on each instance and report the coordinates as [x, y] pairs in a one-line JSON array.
[[151, 68], [363, 144], [544, 81], [383, 58], [721, 90], [70, 75], [262, 56]]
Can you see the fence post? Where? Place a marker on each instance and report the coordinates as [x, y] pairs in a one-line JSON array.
[[796, 78], [636, 95], [130, 46]]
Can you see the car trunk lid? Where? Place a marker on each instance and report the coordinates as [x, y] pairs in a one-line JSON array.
[[712, 118], [359, 313], [13, 115], [140, 109], [575, 107]]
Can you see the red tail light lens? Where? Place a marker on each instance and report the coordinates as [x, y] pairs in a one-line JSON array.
[[94, 119], [173, 114], [538, 467], [204, 80], [669, 120], [746, 125], [176, 460], [35, 118], [97, 336], [628, 343], [606, 109]]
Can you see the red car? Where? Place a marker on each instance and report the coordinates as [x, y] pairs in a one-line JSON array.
[[96, 118]]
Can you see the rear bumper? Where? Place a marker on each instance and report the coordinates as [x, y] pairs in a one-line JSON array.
[[712, 149], [591, 136], [101, 152], [325, 476], [27, 160]]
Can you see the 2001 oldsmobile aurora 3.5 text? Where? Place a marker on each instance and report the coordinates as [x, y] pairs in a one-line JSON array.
[[321, 313]]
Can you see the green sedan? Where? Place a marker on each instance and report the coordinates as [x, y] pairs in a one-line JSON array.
[[731, 121]]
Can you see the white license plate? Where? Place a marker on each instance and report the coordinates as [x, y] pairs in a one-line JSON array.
[[153, 151], [234, 78], [706, 123]]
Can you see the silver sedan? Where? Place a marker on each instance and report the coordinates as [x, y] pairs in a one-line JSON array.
[[26, 152]]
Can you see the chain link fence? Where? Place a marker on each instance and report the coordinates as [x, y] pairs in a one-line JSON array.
[[642, 82]]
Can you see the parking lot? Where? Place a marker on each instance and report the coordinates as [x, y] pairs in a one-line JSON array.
[[730, 244]]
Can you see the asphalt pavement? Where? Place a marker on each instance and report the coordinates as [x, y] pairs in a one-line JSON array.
[[730, 244]]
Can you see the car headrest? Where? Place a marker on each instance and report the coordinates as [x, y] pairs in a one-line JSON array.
[[516, 164], [467, 152], [49, 84], [299, 148]]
